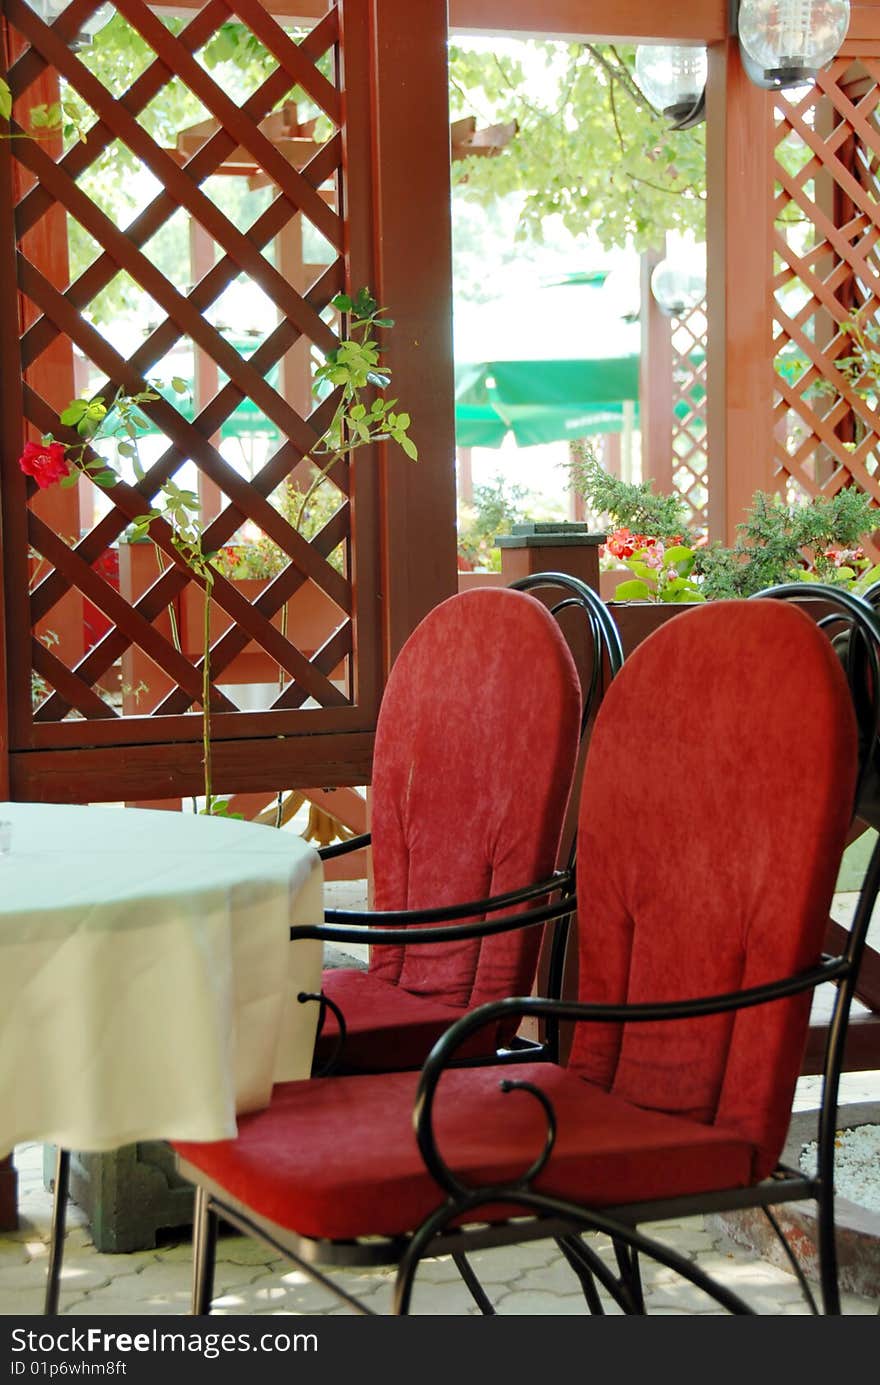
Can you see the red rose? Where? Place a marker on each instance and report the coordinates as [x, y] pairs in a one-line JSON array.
[[45, 461]]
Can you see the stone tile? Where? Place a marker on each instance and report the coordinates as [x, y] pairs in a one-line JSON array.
[[528, 1303], [679, 1295], [82, 1270], [443, 1300], [155, 1285], [21, 1303], [109, 1306], [245, 1251], [21, 1275], [687, 1238], [500, 1266], [556, 1278], [293, 1292]]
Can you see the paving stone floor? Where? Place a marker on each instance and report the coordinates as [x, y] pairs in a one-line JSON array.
[[252, 1280]]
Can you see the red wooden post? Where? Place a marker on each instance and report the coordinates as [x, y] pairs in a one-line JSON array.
[[739, 273], [551, 547], [411, 163]]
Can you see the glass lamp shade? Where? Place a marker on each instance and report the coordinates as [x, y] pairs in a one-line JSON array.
[[677, 287], [788, 41], [673, 80]]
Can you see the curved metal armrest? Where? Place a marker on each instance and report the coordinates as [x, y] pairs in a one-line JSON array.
[[327, 853], [480, 928], [535, 1007], [447, 913]]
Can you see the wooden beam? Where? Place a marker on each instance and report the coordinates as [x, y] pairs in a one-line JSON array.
[[694, 21], [862, 1046], [864, 26], [169, 770], [698, 21]]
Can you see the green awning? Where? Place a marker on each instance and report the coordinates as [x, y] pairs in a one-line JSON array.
[[578, 370]]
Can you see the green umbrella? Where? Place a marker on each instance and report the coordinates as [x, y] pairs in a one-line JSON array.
[[576, 369]]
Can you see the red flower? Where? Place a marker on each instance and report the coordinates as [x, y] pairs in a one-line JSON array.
[[622, 544], [45, 461], [841, 557]]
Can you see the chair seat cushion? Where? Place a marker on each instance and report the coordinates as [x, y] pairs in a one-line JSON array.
[[387, 1028], [337, 1158]]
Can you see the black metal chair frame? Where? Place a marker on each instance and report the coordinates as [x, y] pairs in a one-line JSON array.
[[607, 660], [353, 926], [442, 1232]]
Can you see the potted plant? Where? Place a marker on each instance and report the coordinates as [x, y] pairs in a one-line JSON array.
[[818, 541]]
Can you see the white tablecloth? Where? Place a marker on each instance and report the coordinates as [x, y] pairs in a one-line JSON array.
[[147, 981]]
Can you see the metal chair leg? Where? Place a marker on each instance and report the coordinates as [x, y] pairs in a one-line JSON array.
[[475, 1288], [630, 1273], [56, 1238], [205, 1223], [827, 1240]]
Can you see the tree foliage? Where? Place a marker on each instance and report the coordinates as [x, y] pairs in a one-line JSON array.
[[589, 147]]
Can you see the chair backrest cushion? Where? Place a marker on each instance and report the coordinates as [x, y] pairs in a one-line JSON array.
[[717, 795], [475, 748]]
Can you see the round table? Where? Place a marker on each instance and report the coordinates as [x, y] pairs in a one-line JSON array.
[[147, 981]]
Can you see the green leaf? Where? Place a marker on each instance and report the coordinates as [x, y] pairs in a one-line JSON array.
[[126, 449], [410, 448], [5, 100], [105, 479], [342, 302], [648, 574], [678, 554], [691, 594], [633, 591], [74, 412], [69, 480], [684, 566], [178, 385]]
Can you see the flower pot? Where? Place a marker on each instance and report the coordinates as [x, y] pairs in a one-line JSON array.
[[636, 620]]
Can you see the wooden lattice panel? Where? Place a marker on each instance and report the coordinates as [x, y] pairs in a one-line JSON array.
[[127, 665], [826, 219], [689, 440]]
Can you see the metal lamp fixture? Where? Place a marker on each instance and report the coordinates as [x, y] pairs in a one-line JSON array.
[[784, 43], [677, 287], [674, 81]]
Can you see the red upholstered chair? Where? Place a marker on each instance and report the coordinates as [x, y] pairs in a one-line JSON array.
[[474, 758], [719, 785]]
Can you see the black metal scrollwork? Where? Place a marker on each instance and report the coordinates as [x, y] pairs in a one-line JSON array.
[[326, 1004]]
